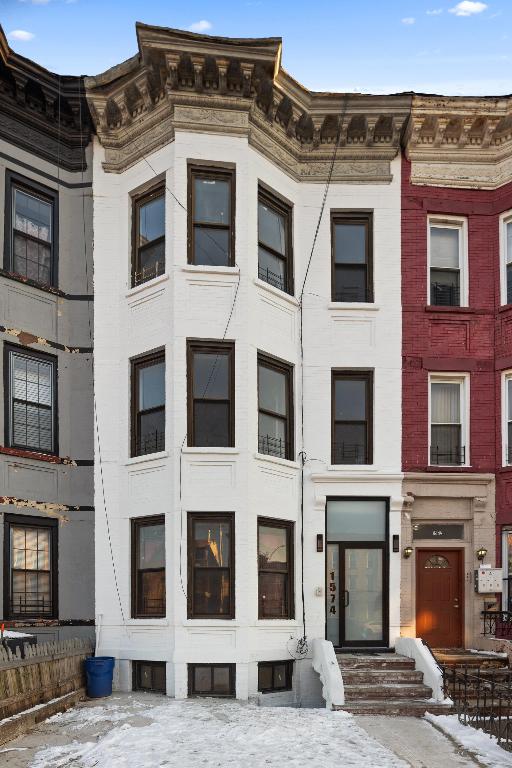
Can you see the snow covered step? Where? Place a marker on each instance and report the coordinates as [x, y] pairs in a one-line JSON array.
[[376, 675], [373, 661], [395, 708], [371, 692]]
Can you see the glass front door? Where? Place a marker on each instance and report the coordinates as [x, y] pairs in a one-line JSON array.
[[355, 592], [356, 573]]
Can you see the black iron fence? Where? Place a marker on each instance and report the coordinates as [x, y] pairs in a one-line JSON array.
[[442, 295], [497, 623], [148, 273], [355, 294], [482, 699], [150, 442]]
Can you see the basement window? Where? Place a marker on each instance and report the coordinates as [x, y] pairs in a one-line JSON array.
[[149, 676], [275, 676], [211, 680]]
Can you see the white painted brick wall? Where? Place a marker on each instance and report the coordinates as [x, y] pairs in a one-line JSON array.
[[195, 302]]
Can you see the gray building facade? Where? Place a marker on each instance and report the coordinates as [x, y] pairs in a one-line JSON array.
[[46, 332]]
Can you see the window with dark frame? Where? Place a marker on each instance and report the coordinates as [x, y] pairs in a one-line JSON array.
[[352, 417], [148, 567], [275, 407], [211, 394], [148, 404], [149, 676], [275, 569], [275, 255], [31, 230], [30, 567], [212, 680], [211, 566], [275, 676], [148, 257], [211, 198], [352, 257], [31, 402], [508, 411]]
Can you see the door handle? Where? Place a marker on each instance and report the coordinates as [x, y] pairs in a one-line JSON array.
[[347, 597]]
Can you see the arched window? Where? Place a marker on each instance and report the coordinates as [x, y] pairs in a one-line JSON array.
[[437, 561]]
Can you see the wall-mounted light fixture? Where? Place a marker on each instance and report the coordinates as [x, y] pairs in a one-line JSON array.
[[481, 553], [408, 552]]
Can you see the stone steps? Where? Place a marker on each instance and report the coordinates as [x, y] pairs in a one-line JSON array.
[[377, 676], [395, 708], [385, 684], [374, 661], [370, 691]]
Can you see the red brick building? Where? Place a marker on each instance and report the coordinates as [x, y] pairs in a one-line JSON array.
[[457, 359]]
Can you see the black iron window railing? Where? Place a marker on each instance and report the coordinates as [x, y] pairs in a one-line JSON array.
[[356, 293], [443, 295], [273, 446], [151, 442], [31, 604], [498, 623], [509, 454], [455, 457], [148, 273], [482, 699], [272, 278], [350, 453]]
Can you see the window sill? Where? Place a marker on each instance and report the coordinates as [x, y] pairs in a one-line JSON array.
[[206, 269], [210, 623], [352, 468], [147, 285], [276, 292], [147, 458], [202, 450], [277, 623], [444, 467], [143, 622], [461, 310], [277, 460], [351, 306]]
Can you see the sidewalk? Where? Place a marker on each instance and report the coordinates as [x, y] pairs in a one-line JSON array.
[[150, 731]]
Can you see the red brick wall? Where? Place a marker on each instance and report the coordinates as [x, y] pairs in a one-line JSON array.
[[475, 339]]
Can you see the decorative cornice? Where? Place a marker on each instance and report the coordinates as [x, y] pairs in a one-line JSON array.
[[181, 81], [460, 141], [43, 113]]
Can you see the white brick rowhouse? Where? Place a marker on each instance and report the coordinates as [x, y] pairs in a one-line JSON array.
[[267, 133]]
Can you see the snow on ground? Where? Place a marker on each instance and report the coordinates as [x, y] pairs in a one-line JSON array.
[[218, 734], [485, 747]]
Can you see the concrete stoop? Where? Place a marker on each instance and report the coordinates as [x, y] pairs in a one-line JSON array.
[[385, 684]]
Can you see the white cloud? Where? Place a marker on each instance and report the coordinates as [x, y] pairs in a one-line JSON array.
[[409, 20], [21, 34], [435, 12], [200, 26], [468, 8]]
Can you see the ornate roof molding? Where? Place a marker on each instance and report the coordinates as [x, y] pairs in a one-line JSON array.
[[185, 81], [40, 112], [460, 141]]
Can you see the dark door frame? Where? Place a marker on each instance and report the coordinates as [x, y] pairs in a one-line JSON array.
[[361, 645], [440, 550]]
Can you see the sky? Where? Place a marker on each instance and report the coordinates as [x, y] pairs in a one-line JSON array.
[[369, 46]]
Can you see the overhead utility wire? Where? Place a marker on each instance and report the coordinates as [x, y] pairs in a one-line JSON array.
[[95, 407], [302, 644]]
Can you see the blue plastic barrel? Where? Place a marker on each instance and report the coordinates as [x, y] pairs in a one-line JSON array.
[[99, 671]]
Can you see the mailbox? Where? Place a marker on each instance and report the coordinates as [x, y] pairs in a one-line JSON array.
[[488, 580]]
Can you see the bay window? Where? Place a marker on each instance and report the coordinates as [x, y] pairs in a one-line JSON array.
[[447, 257], [211, 566], [275, 569], [448, 427], [148, 567]]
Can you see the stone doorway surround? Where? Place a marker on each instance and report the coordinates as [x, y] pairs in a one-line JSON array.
[[450, 497]]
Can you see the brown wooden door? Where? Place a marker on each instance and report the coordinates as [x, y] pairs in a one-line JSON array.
[[439, 597]]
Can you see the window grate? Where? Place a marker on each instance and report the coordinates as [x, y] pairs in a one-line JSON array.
[[273, 446], [455, 457], [148, 273], [350, 453], [442, 295], [272, 278]]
